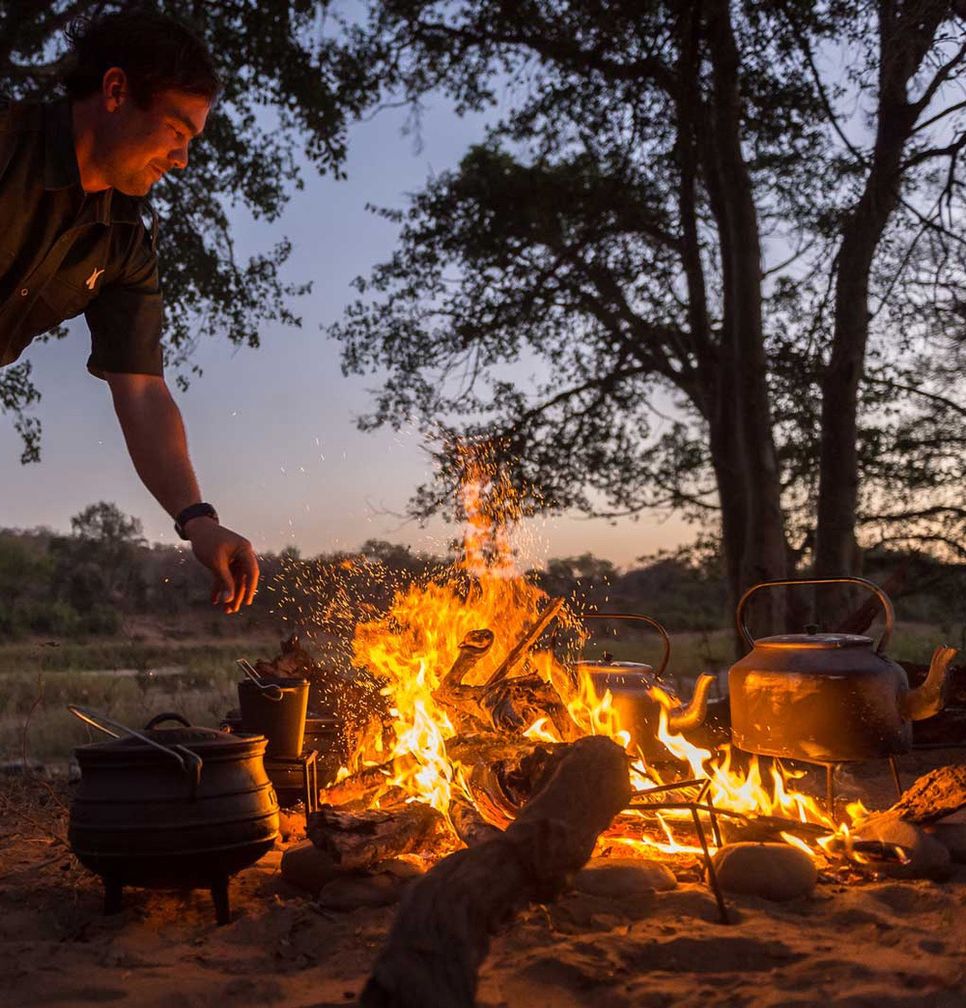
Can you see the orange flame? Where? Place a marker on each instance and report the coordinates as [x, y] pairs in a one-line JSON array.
[[413, 646]]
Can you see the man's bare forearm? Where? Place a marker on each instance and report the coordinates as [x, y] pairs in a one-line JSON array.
[[156, 441], [154, 431]]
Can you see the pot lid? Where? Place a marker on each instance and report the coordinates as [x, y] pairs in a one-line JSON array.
[[815, 641], [175, 736], [195, 738]]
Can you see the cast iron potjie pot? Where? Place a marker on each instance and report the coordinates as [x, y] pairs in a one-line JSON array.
[[825, 697], [171, 808], [631, 685]]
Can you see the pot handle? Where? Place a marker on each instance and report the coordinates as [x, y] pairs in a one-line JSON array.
[[271, 691], [190, 762], [641, 619], [167, 716], [890, 616]]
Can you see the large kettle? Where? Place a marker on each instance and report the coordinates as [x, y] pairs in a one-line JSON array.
[[632, 687], [826, 697]]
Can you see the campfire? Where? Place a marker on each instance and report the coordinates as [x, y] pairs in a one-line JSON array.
[[470, 755], [471, 709], [496, 761]]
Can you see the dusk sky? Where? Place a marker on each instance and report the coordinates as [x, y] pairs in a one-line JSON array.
[[272, 431]]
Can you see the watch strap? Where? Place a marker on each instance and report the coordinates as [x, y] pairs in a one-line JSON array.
[[201, 510]]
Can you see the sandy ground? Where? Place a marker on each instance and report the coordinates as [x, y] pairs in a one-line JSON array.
[[888, 944]]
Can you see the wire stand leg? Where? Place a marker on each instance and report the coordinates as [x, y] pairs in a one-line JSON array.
[[709, 866], [705, 797], [895, 775]]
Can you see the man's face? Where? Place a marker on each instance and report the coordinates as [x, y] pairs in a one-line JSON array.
[[142, 144]]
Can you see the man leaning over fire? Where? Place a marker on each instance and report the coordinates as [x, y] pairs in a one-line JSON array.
[[73, 239]]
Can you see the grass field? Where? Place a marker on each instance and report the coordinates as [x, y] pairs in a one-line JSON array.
[[133, 681], [130, 682]]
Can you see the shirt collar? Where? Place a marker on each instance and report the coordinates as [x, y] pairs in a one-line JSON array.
[[60, 158]]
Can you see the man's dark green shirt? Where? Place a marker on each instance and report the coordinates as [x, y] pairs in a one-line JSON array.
[[64, 251]]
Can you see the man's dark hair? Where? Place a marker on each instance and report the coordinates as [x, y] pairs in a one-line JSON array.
[[156, 52]]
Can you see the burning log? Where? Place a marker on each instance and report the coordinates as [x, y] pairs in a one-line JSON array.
[[501, 769], [532, 635], [365, 785], [462, 702], [933, 796], [358, 840], [505, 704], [515, 704], [472, 648], [442, 931]]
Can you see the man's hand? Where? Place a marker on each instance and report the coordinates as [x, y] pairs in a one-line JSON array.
[[230, 558]]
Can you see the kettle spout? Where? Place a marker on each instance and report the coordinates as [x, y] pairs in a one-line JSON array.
[[927, 699], [680, 719]]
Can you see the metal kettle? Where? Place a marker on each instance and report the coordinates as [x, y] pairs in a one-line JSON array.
[[631, 683], [825, 697]]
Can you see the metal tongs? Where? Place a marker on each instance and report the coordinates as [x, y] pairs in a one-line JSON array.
[[271, 691], [190, 762]]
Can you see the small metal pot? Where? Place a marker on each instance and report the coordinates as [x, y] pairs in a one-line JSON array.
[[171, 808], [631, 685], [825, 697]]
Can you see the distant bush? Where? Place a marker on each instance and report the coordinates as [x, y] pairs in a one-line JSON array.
[[101, 619]]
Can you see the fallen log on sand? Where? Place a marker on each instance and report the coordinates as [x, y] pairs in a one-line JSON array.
[[511, 768], [442, 932]]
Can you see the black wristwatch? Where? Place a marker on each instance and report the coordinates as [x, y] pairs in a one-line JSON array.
[[193, 511]]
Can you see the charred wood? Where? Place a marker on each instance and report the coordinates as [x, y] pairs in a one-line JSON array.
[[357, 840], [933, 796]]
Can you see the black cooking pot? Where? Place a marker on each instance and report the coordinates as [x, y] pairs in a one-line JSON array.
[[171, 808]]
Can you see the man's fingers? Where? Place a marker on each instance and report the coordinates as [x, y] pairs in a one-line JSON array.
[[252, 575], [241, 585], [245, 566], [223, 590]]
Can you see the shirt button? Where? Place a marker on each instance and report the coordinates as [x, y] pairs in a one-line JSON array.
[[24, 292]]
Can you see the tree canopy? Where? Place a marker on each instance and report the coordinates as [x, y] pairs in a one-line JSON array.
[[724, 236], [281, 109]]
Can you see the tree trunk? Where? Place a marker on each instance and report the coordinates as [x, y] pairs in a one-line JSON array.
[[904, 39], [742, 406]]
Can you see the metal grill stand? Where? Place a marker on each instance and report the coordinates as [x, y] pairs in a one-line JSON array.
[[703, 803], [280, 770]]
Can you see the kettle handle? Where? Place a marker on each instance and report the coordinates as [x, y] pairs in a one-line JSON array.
[[890, 615], [585, 617]]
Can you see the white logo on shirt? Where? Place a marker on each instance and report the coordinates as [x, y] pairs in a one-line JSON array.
[[92, 279]]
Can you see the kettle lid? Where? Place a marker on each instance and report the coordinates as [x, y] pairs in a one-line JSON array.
[[816, 641]]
